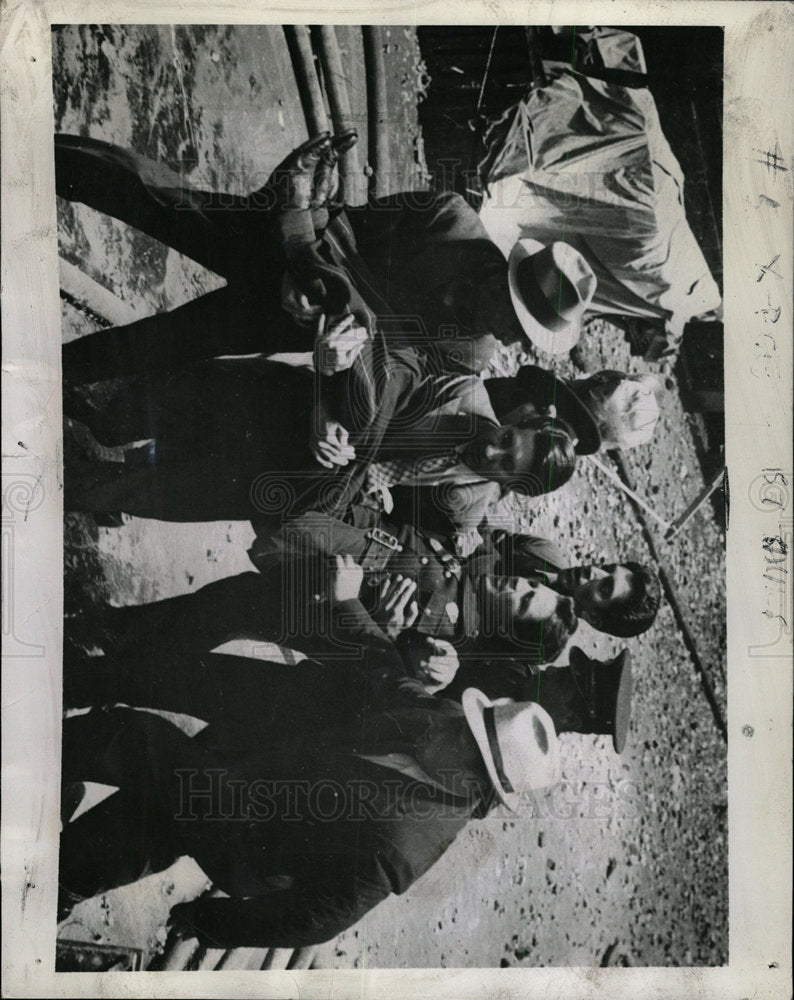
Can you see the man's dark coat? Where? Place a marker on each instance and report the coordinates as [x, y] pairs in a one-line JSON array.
[[297, 822]]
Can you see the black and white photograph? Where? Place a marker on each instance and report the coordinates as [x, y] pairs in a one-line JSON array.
[[397, 496]]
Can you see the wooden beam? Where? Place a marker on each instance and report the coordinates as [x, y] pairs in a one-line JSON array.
[[630, 493], [686, 515], [177, 953], [242, 958], [380, 158], [311, 95], [351, 173], [302, 958], [671, 595], [277, 958]]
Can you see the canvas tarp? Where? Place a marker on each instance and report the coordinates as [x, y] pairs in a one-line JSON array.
[[586, 162]]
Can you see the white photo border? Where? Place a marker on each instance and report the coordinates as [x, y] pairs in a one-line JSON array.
[[758, 227]]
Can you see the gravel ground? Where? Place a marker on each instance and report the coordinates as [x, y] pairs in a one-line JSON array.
[[626, 862]]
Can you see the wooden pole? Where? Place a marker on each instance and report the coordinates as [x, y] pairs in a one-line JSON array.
[[671, 595], [537, 71], [686, 515], [206, 959], [302, 958], [355, 184], [380, 159], [277, 958], [176, 955], [87, 293], [303, 67], [242, 958], [628, 491]]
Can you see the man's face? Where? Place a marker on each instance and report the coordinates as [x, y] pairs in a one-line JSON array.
[[507, 599], [599, 588], [501, 452]]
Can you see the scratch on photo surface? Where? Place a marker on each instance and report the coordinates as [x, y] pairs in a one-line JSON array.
[[27, 885], [36, 610], [11, 704], [395, 721], [32, 495]]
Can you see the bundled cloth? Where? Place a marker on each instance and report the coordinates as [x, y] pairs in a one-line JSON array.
[[586, 162]]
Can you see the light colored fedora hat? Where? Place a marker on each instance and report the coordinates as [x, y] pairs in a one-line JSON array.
[[518, 743], [551, 288]]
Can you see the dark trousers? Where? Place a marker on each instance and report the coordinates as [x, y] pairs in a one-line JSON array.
[[132, 833], [150, 822], [268, 607], [242, 699], [232, 236], [228, 234], [285, 603], [227, 434]]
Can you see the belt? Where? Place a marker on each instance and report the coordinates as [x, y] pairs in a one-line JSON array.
[[378, 550]]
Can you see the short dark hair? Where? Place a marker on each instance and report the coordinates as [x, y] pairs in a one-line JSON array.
[[637, 613], [555, 447], [548, 637]]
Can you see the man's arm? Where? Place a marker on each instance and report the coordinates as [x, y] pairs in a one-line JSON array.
[[496, 678], [447, 240], [378, 387], [419, 223], [370, 650]]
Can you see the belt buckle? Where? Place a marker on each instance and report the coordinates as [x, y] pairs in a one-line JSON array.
[[384, 538]]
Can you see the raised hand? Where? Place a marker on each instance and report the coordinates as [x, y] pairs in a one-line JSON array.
[[292, 182], [296, 301], [438, 663], [329, 441], [326, 178], [397, 609], [346, 580], [336, 348]]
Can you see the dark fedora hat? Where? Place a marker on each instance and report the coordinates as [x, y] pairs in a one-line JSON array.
[[606, 686]]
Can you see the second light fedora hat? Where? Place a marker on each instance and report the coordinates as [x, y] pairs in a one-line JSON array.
[[518, 743], [551, 288]]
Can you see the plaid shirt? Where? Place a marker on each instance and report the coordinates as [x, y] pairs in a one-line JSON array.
[[382, 475]]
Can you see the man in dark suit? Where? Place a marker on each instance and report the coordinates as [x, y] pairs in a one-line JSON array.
[[418, 254], [309, 822]]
